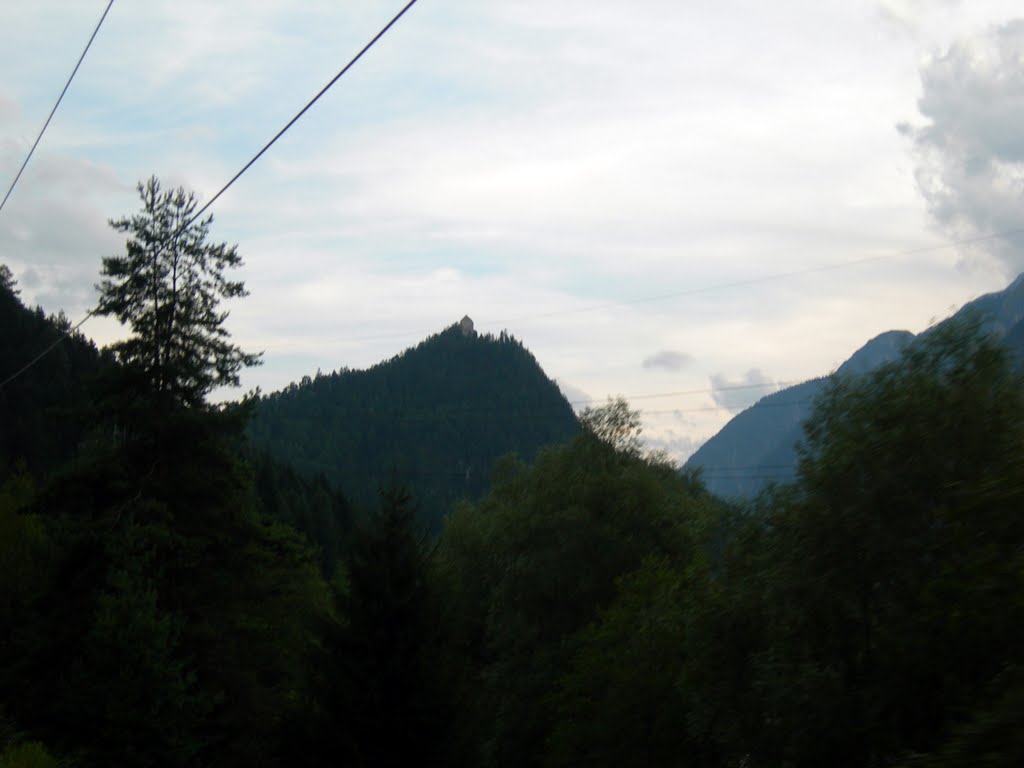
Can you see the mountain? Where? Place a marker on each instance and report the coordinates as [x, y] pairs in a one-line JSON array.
[[884, 348], [1015, 341], [435, 418], [758, 446]]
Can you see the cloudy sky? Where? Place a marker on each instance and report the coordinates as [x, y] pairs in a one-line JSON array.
[[655, 196]]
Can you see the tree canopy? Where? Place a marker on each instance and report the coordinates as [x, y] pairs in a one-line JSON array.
[[594, 607]]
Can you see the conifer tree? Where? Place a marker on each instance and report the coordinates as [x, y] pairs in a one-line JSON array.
[[168, 286]]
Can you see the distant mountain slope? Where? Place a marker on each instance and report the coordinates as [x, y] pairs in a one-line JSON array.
[[1001, 310], [884, 348], [1015, 341], [758, 446], [436, 417]]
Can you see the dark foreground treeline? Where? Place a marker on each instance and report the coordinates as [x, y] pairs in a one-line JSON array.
[[596, 608]]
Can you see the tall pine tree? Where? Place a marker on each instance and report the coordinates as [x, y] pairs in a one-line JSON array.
[[168, 286]]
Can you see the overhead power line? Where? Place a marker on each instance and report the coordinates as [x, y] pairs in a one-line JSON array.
[[660, 297], [590, 308], [295, 119], [724, 286], [54, 110], [766, 278], [69, 332], [223, 189]]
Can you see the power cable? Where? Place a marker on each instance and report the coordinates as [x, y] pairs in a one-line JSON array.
[[54, 110], [46, 351], [590, 308], [301, 112], [711, 288], [767, 278], [223, 189]]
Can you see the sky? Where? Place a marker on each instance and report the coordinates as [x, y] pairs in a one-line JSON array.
[[654, 196]]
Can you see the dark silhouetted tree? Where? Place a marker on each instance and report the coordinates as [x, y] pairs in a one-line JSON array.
[[168, 286]]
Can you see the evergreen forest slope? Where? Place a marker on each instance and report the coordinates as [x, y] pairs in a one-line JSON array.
[[41, 410], [435, 418], [593, 607], [49, 416]]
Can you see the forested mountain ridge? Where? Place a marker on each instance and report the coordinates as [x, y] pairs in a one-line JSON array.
[[594, 607], [435, 417], [758, 445]]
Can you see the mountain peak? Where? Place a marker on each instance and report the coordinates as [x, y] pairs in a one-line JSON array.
[[435, 417]]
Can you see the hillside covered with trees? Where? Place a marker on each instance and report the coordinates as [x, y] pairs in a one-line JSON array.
[[435, 418], [594, 606], [41, 410]]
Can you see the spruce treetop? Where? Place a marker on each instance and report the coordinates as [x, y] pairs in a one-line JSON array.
[[167, 286]]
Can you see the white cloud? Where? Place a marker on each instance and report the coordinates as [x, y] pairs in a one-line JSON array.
[[970, 152], [577, 397], [679, 446], [54, 229], [669, 360], [912, 16], [738, 394]]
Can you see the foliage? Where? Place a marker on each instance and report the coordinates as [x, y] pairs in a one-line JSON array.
[[437, 418], [866, 615], [895, 564], [616, 424], [180, 625], [168, 286], [383, 688], [24, 546], [8, 284], [310, 505], [993, 736], [133, 692], [30, 754], [152, 615], [623, 701], [534, 563], [158, 606]]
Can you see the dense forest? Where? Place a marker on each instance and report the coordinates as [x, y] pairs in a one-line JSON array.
[[161, 602], [436, 417], [42, 411]]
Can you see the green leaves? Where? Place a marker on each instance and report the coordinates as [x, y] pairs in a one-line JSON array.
[[30, 754], [25, 547], [894, 557], [623, 700], [530, 567]]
